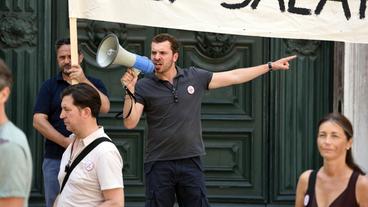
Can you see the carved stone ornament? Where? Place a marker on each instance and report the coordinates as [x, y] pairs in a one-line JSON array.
[[302, 47], [17, 31], [215, 45], [96, 31]]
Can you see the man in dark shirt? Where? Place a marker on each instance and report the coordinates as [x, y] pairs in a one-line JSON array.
[[46, 118], [171, 99]]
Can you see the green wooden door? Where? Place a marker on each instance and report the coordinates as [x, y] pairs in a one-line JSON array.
[[25, 41], [232, 117], [233, 127], [259, 136], [299, 98]]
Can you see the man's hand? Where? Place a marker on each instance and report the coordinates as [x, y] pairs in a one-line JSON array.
[[129, 79], [283, 63], [77, 74]]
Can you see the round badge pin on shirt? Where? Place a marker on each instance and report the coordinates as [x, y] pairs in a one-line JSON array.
[[306, 200], [190, 90], [89, 165]]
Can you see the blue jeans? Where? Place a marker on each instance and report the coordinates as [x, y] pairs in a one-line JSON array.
[[50, 168], [181, 179]]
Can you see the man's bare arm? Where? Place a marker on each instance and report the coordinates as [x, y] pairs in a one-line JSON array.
[[12, 202], [113, 198], [43, 126]]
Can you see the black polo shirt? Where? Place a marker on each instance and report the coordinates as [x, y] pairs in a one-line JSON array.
[[49, 102], [174, 114]]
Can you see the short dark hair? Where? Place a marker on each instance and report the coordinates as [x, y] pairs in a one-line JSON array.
[[6, 77], [64, 41], [167, 37], [84, 96], [346, 125]]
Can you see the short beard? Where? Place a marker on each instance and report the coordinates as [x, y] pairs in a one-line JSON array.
[[66, 71]]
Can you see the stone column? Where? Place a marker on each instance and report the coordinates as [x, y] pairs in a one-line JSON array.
[[356, 98]]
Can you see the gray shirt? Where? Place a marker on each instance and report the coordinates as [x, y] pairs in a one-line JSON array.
[[174, 114], [16, 163]]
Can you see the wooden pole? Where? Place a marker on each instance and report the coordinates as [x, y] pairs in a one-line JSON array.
[[73, 43]]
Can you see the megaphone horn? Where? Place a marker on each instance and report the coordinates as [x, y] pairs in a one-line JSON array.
[[110, 52]]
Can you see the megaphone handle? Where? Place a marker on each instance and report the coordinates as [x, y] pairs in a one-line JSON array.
[[136, 71]]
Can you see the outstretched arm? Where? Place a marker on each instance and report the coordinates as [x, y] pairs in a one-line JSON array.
[[242, 75]]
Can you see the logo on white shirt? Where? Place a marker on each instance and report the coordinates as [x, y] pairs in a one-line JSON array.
[[88, 165]]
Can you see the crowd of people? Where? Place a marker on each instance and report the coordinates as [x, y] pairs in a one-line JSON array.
[[83, 167]]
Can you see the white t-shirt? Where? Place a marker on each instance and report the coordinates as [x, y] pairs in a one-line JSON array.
[[100, 170]]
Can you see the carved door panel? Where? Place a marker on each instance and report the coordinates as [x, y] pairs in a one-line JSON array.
[[24, 46], [298, 99], [252, 131], [232, 117]]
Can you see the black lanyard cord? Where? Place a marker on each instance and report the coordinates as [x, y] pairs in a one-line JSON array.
[[132, 98]]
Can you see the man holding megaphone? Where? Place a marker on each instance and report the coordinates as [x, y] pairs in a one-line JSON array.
[[171, 99]]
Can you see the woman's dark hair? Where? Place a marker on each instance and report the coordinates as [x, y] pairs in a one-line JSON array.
[[345, 124], [167, 37], [84, 96]]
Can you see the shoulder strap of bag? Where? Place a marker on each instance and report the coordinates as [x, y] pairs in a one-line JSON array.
[[312, 182], [80, 157]]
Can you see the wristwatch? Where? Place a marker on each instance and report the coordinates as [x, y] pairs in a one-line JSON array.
[[269, 65]]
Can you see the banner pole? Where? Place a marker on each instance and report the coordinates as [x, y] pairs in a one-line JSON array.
[[73, 43]]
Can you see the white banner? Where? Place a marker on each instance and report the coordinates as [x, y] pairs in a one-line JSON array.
[[338, 20]]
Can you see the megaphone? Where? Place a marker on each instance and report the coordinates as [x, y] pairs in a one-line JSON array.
[[110, 52]]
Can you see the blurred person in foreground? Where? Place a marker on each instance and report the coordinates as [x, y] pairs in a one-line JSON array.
[[16, 159], [339, 182]]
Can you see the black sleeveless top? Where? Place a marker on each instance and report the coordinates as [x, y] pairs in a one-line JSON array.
[[346, 198]]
